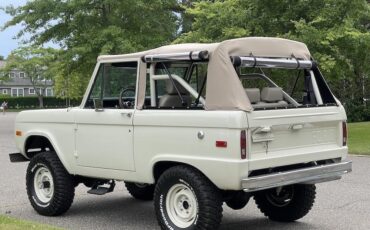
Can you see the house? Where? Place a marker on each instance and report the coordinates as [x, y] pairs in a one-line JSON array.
[[19, 85]]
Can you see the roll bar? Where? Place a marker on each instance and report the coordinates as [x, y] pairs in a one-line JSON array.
[[185, 56], [291, 63], [243, 61]]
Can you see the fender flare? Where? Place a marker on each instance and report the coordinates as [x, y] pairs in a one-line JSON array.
[[51, 139]]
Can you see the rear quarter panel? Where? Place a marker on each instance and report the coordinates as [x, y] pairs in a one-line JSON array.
[[171, 135]]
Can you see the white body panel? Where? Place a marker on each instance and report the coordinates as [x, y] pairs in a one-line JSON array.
[[57, 125], [106, 145], [104, 139]]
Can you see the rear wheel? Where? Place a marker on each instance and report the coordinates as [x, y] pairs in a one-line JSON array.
[[50, 188], [288, 203], [185, 199], [140, 191]]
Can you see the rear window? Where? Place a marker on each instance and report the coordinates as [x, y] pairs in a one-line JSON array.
[[271, 88]]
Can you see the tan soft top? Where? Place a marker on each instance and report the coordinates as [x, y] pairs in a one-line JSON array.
[[224, 89]]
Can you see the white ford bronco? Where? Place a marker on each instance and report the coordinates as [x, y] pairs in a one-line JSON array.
[[192, 126]]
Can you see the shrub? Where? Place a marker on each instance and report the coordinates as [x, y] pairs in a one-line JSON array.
[[33, 102], [357, 112]]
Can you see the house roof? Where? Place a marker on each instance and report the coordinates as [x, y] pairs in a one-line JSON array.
[[19, 82], [22, 82]]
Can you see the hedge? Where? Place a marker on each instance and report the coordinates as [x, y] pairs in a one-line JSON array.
[[33, 102]]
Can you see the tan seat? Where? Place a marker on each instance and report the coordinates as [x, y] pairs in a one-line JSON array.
[[172, 99], [254, 95], [271, 97]]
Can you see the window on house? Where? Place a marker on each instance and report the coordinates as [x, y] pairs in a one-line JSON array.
[[14, 92], [5, 91], [49, 92], [12, 75], [21, 75], [20, 92], [32, 91]]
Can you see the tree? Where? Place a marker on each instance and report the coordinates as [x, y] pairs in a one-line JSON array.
[[68, 84], [36, 63], [85, 29], [337, 33]]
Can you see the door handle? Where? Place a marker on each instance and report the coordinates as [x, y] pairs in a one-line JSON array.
[[297, 126], [262, 134], [264, 129], [127, 114]]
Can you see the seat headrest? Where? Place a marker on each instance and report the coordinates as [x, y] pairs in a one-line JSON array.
[[273, 94], [170, 89], [253, 94]]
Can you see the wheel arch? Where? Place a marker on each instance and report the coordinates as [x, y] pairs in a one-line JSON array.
[[161, 166], [40, 142], [208, 166], [35, 144]]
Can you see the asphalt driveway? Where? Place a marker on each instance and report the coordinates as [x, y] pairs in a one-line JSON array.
[[343, 204]]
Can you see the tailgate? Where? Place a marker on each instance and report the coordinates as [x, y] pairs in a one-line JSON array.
[[291, 136]]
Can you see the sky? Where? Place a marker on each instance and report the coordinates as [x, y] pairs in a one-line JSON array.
[[7, 43]]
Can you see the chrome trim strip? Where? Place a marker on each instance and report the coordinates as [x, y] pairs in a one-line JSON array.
[[296, 115], [309, 175]]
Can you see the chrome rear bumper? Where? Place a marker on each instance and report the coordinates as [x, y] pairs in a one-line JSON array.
[[311, 175]]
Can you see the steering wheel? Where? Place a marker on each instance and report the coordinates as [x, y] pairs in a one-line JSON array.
[[125, 104]]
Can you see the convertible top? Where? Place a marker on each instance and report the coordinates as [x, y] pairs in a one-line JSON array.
[[258, 46], [224, 90]]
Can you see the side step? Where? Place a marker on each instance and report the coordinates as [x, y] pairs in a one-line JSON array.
[[101, 190]]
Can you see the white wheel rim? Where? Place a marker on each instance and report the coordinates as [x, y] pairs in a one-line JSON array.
[[181, 205], [43, 184]]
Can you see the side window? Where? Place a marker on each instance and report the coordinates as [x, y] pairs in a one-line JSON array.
[[114, 86], [165, 93], [198, 78], [179, 69]]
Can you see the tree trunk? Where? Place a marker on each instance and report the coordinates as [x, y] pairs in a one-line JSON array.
[[41, 101]]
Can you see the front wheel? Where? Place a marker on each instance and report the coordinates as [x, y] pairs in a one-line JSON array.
[[185, 199], [287, 203], [50, 188]]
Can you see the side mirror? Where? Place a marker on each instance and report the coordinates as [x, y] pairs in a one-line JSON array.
[[98, 105]]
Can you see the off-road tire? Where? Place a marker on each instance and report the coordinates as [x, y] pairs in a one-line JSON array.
[[238, 201], [64, 185], [144, 192], [300, 204], [207, 196]]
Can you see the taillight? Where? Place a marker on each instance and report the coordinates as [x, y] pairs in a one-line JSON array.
[[243, 144], [344, 133]]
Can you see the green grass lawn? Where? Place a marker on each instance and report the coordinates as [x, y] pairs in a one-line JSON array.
[[359, 138], [10, 223]]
